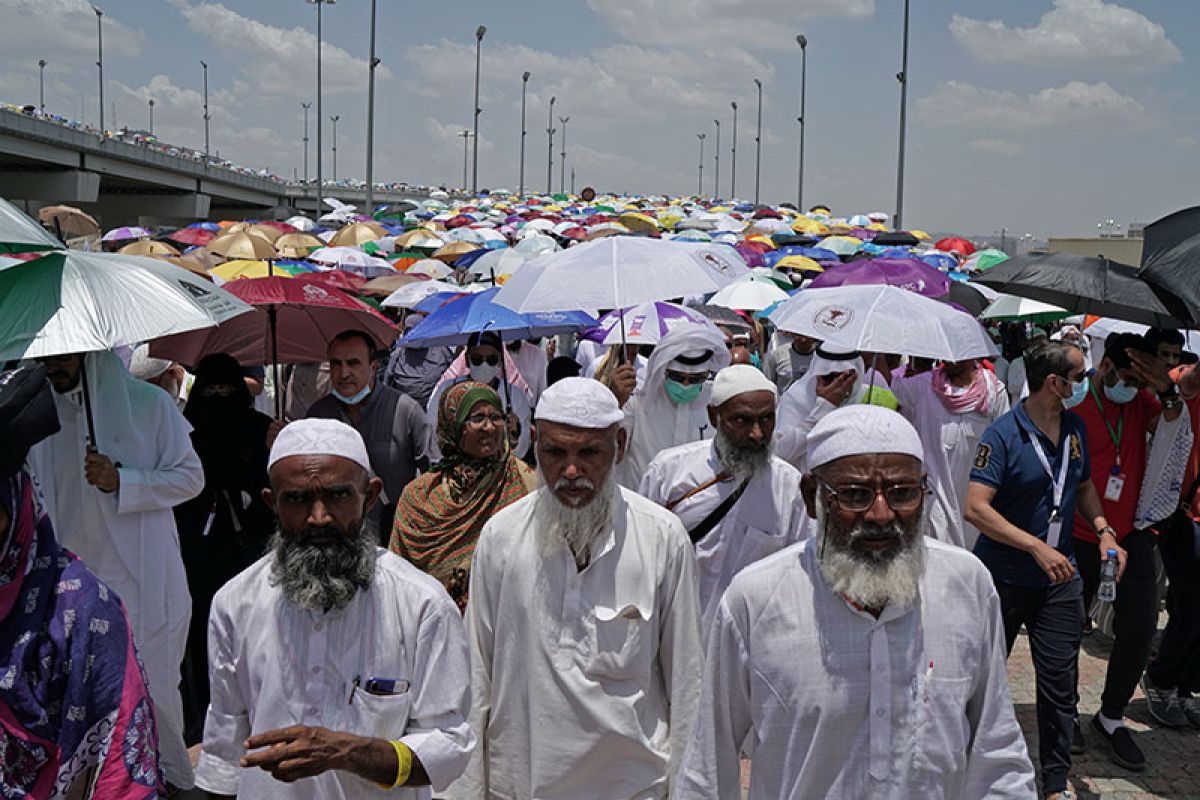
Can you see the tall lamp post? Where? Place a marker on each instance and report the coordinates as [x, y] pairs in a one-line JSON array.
[[733, 169], [700, 179], [334, 119], [373, 63], [521, 179], [465, 135], [562, 163], [150, 102], [902, 76], [320, 151], [758, 143], [100, 63], [717, 160], [479, 32], [42, 86], [306, 107], [550, 149], [803, 42], [204, 66]]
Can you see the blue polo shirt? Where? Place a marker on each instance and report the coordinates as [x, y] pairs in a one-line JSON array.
[[1024, 496]]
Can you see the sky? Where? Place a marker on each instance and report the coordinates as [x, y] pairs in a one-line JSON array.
[[1038, 116]]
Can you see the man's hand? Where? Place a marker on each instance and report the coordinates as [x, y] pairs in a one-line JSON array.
[[1109, 542], [101, 472], [624, 381], [837, 390], [1052, 562], [1150, 369], [301, 751]]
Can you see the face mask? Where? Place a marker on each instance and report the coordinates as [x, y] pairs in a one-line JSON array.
[[755, 360], [680, 394], [1120, 393], [353, 399], [1079, 391], [484, 373]]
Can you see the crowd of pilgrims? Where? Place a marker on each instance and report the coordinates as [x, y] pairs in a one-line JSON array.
[[552, 569]]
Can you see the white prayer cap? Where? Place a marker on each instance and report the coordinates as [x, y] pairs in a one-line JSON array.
[[739, 379], [145, 368], [580, 403], [862, 430], [319, 437]]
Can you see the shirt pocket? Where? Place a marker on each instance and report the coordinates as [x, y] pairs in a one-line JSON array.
[[623, 639], [379, 716], [943, 731]]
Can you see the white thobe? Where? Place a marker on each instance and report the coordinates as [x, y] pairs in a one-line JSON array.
[[828, 701], [273, 664], [793, 423], [766, 518], [672, 425], [584, 683], [950, 442], [129, 540]]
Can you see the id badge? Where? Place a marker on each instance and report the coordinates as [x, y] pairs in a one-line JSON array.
[[1116, 483], [1054, 532]]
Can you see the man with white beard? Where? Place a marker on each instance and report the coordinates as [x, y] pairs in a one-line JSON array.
[[584, 624], [339, 666], [867, 661], [738, 502]]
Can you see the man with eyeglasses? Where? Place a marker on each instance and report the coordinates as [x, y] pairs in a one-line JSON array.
[[867, 661], [1031, 471]]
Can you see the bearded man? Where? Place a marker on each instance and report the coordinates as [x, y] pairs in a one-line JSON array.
[[584, 623], [867, 661], [738, 502], [341, 666]]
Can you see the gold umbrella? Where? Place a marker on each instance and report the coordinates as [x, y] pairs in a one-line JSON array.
[[148, 247], [357, 234], [241, 245], [297, 245], [71, 221], [268, 232], [190, 262], [386, 284], [418, 238], [451, 252]]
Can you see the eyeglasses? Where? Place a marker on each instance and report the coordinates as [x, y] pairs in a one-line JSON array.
[[858, 498], [687, 378], [478, 360], [1087, 373], [480, 421]]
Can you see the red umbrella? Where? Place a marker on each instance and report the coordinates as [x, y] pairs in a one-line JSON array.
[[458, 221], [192, 236], [339, 279], [292, 323], [956, 244], [282, 227]]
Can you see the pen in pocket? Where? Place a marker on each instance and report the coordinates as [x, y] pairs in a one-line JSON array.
[[353, 688]]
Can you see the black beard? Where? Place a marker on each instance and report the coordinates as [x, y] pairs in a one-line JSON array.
[[324, 576]]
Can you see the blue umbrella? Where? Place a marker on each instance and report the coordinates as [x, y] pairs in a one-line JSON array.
[[940, 260], [208, 226], [435, 301], [467, 259], [454, 322]]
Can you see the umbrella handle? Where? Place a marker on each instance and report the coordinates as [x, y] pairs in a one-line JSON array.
[[87, 401], [273, 323], [621, 353]]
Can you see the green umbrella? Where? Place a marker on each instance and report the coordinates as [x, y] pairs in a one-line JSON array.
[[982, 260], [20, 234]]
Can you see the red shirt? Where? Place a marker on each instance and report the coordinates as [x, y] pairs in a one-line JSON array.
[[1133, 419]]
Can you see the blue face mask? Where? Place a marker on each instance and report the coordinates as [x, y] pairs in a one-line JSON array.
[[1120, 393], [680, 394], [354, 399], [1079, 391]]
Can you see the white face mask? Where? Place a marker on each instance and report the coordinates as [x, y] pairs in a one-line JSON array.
[[484, 373]]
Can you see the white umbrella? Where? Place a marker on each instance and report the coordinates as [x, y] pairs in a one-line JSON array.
[[301, 223], [347, 258], [465, 234], [1104, 327], [536, 245], [618, 272], [884, 319], [749, 295], [19, 232], [499, 262], [409, 295], [1009, 306], [429, 267], [645, 324]]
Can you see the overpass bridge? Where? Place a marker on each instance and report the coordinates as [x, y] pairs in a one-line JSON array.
[[45, 163]]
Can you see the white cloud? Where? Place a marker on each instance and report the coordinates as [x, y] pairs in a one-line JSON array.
[[769, 24], [995, 147], [63, 30], [279, 61], [1073, 31], [961, 104]]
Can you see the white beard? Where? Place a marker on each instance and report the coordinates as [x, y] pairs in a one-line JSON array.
[[560, 525], [892, 579], [741, 462]]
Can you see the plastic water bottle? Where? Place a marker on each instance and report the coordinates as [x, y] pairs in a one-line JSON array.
[[1108, 579]]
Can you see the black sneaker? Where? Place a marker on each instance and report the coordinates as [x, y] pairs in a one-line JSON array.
[[1164, 704], [1191, 710], [1123, 751], [1078, 743]]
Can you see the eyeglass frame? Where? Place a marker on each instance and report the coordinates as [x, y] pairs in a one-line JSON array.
[[877, 489], [688, 378]]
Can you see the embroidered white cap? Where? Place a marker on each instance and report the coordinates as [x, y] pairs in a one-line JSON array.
[[739, 379], [319, 437], [580, 403], [862, 430]]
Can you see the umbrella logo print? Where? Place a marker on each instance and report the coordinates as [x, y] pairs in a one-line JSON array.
[[715, 263], [314, 293], [833, 318]]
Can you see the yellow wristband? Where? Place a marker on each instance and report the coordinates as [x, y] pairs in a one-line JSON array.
[[404, 760]]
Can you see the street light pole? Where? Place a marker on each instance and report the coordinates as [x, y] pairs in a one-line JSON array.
[[206, 117], [334, 119], [717, 159], [733, 170], [700, 180], [42, 86], [803, 42], [479, 32], [306, 107], [320, 148], [151, 102], [373, 63], [100, 63], [466, 137], [902, 76], [521, 179], [550, 149], [562, 164], [758, 143]]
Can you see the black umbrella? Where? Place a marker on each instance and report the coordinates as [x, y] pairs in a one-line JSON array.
[[1088, 285], [966, 297], [896, 239], [793, 239], [1171, 256]]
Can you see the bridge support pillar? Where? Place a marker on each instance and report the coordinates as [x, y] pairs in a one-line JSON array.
[[58, 186]]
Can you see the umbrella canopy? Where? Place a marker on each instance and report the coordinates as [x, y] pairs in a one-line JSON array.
[[536, 245], [1170, 253], [76, 302], [800, 263], [306, 317], [20, 234], [982, 260], [357, 234], [972, 299], [452, 251], [192, 236], [903, 273], [419, 237], [69, 220], [240, 268], [955, 244], [749, 295], [498, 262], [385, 285], [339, 279], [621, 271], [128, 232], [842, 245], [896, 239], [429, 268], [297, 245], [148, 247], [1089, 285], [884, 319], [353, 260], [412, 294], [453, 323], [1011, 307], [644, 324], [241, 245]]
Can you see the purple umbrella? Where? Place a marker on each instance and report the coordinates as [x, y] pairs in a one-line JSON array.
[[644, 324], [751, 254], [904, 273]]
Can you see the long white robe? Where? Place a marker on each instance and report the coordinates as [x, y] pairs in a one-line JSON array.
[[950, 442], [768, 516], [584, 683], [128, 538], [829, 701]]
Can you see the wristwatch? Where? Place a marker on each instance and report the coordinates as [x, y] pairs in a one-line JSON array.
[[1107, 529]]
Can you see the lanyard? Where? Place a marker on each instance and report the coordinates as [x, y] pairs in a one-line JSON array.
[[1061, 484], [1114, 435]]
